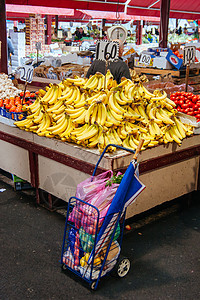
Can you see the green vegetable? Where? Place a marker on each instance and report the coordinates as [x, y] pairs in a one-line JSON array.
[[114, 179]]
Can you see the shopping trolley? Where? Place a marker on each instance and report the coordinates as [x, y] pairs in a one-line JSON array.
[[84, 252]]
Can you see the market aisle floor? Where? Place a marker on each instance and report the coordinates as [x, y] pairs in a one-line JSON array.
[[165, 256]]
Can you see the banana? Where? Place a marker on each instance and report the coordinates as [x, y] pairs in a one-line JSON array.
[[103, 114], [60, 110], [91, 83], [76, 113], [101, 142], [68, 95], [141, 110], [80, 119], [114, 105], [57, 94], [75, 95], [117, 138], [33, 128], [122, 132], [157, 129], [152, 130], [170, 102], [55, 107], [62, 128], [46, 124], [35, 108], [89, 112], [126, 143], [22, 123], [94, 114], [152, 115], [100, 84], [99, 114], [78, 81], [82, 101], [89, 100], [118, 117], [68, 130], [174, 136], [78, 95], [168, 136], [111, 119], [181, 127], [35, 114], [49, 94], [161, 115], [39, 118], [70, 110], [92, 130], [57, 125]]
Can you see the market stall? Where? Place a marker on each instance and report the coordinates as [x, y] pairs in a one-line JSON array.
[[56, 167]]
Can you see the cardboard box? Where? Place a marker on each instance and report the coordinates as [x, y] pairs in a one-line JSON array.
[[161, 62], [174, 60]]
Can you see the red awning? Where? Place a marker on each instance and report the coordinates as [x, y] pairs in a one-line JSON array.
[[121, 16], [178, 8], [42, 10]]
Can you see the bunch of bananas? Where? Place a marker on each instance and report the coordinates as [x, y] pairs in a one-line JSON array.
[[96, 112]]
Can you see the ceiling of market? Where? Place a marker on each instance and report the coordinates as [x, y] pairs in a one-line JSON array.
[[180, 9]]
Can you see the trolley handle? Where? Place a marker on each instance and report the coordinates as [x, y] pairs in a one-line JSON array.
[[104, 151]]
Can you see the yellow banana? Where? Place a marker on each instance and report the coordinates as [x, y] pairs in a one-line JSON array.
[[80, 119], [62, 128]]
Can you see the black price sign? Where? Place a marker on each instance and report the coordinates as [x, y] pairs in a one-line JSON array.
[[189, 54], [107, 50], [145, 59], [26, 73]]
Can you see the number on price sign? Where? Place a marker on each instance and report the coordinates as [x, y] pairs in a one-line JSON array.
[[106, 50], [145, 59], [189, 54], [26, 73]]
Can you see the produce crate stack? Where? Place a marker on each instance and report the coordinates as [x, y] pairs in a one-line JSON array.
[[35, 32], [18, 40]]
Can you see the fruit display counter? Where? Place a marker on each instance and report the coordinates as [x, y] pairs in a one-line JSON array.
[[168, 171]]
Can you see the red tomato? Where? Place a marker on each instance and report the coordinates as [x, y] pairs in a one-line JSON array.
[[198, 116], [194, 99], [190, 97], [176, 102], [172, 98], [185, 105], [181, 102], [1, 102], [178, 94], [187, 110], [21, 94], [195, 107], [190, 113], [172, 95], [179, 109]]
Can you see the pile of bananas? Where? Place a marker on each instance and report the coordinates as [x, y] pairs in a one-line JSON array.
[[95, 112]]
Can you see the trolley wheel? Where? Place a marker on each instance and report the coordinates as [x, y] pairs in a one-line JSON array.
[[92, 285], [64, 267], [123, 267]]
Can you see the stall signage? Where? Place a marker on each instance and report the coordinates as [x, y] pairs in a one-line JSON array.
[[174, 60], [26, 73], [189, 54], [145, 59], [38, 46], [107, 50]]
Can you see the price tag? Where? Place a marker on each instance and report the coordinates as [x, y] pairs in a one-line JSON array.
[[189, 54], [107, 50], [38, 45], [145, 59], [26, 73]]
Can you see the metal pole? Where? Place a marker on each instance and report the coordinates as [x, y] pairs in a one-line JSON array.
[[187, 77], [49, 18], [3, 38], [164, 21]]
